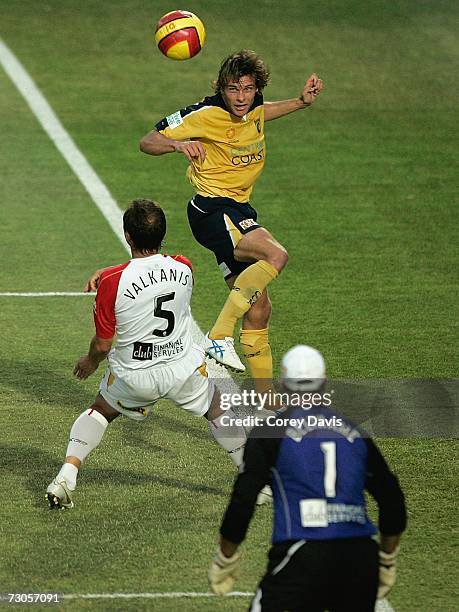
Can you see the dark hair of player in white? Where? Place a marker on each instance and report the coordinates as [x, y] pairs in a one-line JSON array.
[[145, 223]]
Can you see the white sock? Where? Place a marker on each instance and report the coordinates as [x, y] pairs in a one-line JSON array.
[[85, 436], [230, 437], [69, 472]]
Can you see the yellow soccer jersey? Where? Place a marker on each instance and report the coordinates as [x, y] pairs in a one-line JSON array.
[[235, 146]]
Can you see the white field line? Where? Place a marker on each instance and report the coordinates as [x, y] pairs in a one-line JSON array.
[[97, 190], [112, 213], [381, 605], [169, 595], [62, 139]]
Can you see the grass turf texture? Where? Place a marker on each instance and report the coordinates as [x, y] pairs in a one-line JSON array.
[[360, 189]]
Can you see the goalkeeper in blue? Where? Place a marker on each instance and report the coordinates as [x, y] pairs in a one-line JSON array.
[[324, 555]]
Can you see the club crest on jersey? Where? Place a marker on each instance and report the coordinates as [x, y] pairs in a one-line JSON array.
[[246, 223]]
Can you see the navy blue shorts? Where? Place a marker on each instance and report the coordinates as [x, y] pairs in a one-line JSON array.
[[218, 224]]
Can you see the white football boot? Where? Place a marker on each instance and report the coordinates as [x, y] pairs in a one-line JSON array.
[[58, 494], [265, 496], [223, 352]]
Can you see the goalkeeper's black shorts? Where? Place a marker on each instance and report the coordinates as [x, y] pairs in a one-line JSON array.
[[218, 224], [338, 575]]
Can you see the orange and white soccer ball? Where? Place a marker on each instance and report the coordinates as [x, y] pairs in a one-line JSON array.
[[180, 35]]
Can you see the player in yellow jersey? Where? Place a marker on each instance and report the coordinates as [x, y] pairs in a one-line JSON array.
[[223, 138]]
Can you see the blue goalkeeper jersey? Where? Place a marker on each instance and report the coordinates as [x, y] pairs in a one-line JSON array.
[[318, 481], [319, 466]]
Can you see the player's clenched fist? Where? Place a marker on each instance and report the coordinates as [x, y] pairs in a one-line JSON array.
[[311, 89], [223, 572], [192, 149]]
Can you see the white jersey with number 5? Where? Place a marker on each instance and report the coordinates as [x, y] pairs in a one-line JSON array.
[[146, 303]]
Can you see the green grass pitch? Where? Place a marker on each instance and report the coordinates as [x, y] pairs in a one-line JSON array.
[[360, 189]]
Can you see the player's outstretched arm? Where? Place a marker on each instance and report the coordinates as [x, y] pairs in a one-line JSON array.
[[311, 89], [155, 143]]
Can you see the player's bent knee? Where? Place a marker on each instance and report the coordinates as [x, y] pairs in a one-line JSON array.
[[103, 407], [277, 257]]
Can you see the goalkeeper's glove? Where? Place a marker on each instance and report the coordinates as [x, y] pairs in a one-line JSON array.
[[223, 572], [387, 572]]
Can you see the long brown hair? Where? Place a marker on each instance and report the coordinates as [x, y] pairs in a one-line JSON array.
[[241, 64]]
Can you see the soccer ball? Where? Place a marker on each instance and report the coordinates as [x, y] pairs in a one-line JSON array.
[[180, 35]]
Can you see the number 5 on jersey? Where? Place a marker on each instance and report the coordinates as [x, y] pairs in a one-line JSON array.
[[162, 313]]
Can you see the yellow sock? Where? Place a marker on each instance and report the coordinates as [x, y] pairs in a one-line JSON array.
[[257, 351], [248, 287]]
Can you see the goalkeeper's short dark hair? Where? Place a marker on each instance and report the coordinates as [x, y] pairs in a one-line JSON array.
[[145, 222], [242, 63]]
